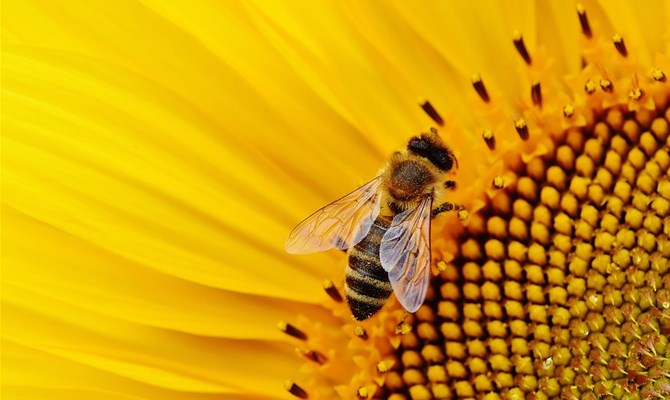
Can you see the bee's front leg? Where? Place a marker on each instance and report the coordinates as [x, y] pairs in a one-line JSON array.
[[450, 185], [444, 207]]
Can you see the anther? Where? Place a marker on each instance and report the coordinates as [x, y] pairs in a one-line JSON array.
[[489, 139], [295, 390], [463, 215], [362, 393], [498, 182], [521, 128], [521, 47], [606, 85], [568, 110], [291, 330], [403, 328], [536, 93], [332, 290], [658, 75], [312, 355], [619, 44], [635, 94], [385, 366], [589, 86], [478, 84], [432, 112], [360, 332], [584, 21]]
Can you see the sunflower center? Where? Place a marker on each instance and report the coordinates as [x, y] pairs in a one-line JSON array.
[[560, 286]]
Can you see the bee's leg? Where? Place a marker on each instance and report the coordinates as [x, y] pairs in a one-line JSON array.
[[445, 207], [450, 185], [402, 328]]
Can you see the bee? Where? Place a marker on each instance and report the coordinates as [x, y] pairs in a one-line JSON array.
[[385, 225]]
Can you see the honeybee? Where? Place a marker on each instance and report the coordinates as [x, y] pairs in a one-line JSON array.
[[385, 225]]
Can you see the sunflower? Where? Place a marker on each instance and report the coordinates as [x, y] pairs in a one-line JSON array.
[[156, 154]]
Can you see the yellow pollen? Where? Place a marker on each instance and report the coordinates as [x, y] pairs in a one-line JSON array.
[[498, 182], [488, 137], [291, 330], [606, 85], [568, 110], [635, 94], [385, 366], [363, 392], [590, 86], [619, 44], [658, 75], [583, 21], [478, 84], [521, 128], [332, 291], [403, 328]]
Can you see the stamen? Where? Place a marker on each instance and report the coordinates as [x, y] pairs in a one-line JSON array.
[[332, 290], [606, 85], [568, 110], [403, 328], [291, 330], [463, 215], [521, 128], [584, 21], [521, 47], [489, 139], [432, 112], [295, 390], [312, 355], [360, 332], [498, 182], [620, 45], [536, 93], [658, 75], [385, 366], [478, 84], [590, 86], [362, 393], [635, 94]]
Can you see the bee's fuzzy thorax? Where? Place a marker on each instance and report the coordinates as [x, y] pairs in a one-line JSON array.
[[407, 178]]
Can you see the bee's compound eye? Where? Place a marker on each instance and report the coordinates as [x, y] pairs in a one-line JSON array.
[[435, 152]]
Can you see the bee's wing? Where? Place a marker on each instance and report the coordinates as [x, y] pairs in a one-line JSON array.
[[405, 254], [340, 224]]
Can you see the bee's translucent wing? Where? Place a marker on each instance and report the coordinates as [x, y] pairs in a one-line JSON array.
[[340, 224], [405, 254]]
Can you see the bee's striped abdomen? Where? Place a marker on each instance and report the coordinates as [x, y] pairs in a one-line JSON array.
[[367, 285]]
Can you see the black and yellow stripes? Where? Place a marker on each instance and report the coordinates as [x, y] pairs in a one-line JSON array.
[[367, 286]]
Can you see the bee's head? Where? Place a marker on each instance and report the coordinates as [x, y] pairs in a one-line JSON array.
[[430, 146]]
